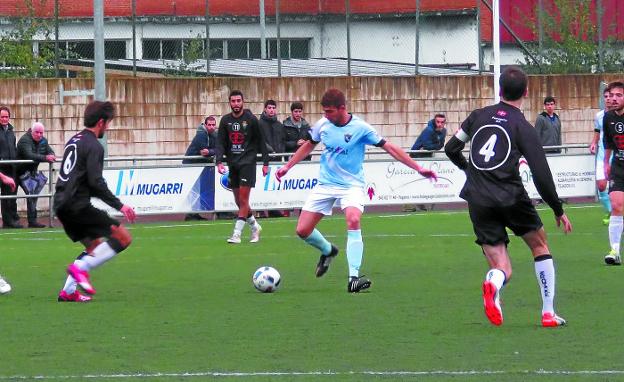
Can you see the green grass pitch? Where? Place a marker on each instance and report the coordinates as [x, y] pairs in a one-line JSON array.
[[179, 306]]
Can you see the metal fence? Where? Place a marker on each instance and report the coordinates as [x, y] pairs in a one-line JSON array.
[[256, 37]]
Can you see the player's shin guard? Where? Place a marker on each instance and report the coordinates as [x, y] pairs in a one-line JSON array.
[[615, 232], [545, 273], [355, 251], [318, 241], [603, 197]]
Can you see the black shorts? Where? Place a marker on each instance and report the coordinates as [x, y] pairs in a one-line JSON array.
[[244, 175], [86, 223], [616, 177], [489, 222]]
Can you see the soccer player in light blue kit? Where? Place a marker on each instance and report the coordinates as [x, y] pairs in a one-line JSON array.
[[341, 181], [597, 147]]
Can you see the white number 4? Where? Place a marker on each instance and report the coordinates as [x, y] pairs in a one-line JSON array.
[[487, 150]]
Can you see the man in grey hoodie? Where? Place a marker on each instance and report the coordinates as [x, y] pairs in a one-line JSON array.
[[548, 126]]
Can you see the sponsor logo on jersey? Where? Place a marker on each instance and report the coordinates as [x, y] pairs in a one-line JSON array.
[[501, 113]]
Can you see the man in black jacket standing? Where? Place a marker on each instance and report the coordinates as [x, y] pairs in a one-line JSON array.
[[10, 218], [240, 139], [32, 145], [80, 178]]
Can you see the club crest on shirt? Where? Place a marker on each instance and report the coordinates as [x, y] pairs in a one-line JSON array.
[[347, 137], [501, 113]]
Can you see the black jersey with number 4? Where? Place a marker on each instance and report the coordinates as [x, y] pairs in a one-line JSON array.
[[613, 139], [500, 136], [80, 176]]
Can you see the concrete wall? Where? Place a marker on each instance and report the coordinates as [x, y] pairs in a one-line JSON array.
[[159, 116]]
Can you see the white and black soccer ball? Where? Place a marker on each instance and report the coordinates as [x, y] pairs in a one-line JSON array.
[[266, 279]]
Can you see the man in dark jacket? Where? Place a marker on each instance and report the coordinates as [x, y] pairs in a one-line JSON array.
[[10, 218], [548, 126], [272, 128], [32, 145], [431, 138], [203, 144], [296, 129]]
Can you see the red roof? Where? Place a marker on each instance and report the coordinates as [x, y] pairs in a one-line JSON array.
[[517, 13]]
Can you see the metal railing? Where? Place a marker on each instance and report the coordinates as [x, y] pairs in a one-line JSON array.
[[174, 161]]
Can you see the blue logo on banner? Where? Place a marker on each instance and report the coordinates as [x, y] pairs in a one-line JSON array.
[[225, 181], [271, 184], [128, 184]]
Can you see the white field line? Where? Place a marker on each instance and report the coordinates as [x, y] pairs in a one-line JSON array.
[[311, 373]]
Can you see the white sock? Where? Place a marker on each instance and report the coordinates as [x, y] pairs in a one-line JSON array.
[[545, 273], [496, 277], [615, 232], [101, 254], [253, 223], [70, 285], [238, 226]]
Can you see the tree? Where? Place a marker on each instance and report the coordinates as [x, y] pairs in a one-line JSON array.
[[569, 41], [189, 62], [17, 58]]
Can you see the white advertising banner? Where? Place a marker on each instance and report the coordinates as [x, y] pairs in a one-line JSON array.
[[390, 182], [268, 194], [163, 190]]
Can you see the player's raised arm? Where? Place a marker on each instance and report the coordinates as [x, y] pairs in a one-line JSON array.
[[397, 153]]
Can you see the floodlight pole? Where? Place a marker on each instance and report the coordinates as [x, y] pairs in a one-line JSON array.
[[417, 38], [263, 54], [496, 47], [98, 23]]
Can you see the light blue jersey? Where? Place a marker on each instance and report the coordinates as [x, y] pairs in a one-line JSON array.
[[598, 127], [343, 156]]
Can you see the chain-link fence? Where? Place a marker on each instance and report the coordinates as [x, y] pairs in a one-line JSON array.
[[252, 38], [560, 36], [309, 37]]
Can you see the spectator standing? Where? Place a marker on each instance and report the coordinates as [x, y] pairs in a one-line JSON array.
[[431, 138], [203, 144], [34, 146], [10, 218], [296, 129], [272, 128], [548, 126]]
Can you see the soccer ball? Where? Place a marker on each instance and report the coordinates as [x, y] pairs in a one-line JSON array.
[[266, 279]]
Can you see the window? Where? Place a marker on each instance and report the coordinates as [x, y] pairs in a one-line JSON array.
[[290, 48], [216, 49], [82, 49], [237, 49], [151, 49], [171, 49], [114, 49]]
